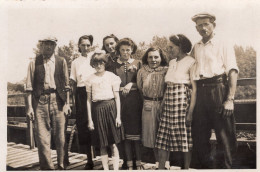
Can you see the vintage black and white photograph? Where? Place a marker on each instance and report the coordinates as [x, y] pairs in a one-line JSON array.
[[129, 85]]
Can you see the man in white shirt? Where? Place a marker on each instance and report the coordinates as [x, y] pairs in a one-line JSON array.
[[80, 71], [216, 74]]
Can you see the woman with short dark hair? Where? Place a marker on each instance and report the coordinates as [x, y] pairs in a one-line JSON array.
[[80, 70], [150, 82], [109, 44], [131, 102], [174, 133], [104, 117]]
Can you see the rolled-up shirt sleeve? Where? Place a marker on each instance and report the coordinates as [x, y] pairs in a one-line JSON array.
[[30, 76], [230, 61], [66, 74], [73, 75]]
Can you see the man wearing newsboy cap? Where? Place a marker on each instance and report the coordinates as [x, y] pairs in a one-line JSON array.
[[215, 72], [47, 85]]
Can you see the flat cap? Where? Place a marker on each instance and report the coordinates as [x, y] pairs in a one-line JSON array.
[[49, 38], [203, 15]]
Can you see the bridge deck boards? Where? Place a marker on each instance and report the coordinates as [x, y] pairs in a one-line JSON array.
[[21, 157]]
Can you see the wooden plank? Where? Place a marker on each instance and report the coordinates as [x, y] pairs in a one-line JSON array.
[[19, 119], [246, 81], [246, 126], [30, 159], [18, 154]]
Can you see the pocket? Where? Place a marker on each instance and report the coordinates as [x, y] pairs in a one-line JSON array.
[[148, 105], [219, 94]]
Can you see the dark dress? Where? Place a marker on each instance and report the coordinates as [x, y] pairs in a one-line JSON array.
[[131, 105]]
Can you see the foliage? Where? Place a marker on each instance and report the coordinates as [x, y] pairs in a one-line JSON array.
[[246, 60]]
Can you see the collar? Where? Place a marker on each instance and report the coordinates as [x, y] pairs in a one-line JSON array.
[[158, 69], [129, 61], [211, 41], [52, 58], [89, 55]]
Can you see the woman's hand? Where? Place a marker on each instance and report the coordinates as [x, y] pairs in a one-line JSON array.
[[91, 125], [127, 88], [118, 122]]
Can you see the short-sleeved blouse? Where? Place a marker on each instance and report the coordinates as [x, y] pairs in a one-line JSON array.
[[180, 71], [102, 87], [151, 81]]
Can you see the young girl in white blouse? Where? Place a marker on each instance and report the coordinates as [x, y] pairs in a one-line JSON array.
[[103, 104]]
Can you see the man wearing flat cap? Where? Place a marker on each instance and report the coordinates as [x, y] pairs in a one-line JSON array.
[[215, 72], [47, 85]]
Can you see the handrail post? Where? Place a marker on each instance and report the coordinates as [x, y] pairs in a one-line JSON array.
[[29, 129]]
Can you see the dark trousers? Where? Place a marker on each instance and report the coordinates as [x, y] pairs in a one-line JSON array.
[[84, 135], [211, 94]]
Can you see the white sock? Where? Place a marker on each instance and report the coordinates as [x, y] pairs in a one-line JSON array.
[[116, 162], [104, 159], [167, 164], [156, 164]]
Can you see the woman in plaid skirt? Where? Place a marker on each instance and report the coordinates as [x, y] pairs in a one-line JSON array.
[[174, 133]]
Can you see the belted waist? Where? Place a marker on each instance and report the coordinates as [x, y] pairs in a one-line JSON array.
[[153, 99], [48, 91], [212, 81]]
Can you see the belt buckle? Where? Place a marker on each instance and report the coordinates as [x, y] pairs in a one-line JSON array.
[[155, 99]]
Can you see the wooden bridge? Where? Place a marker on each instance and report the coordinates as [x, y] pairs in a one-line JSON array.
[[24, 156]]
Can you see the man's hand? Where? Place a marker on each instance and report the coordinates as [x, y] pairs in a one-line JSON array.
[[66, 109], [30, 113], [228, 108]]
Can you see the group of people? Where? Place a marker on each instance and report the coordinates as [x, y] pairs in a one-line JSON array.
[[167, 104]]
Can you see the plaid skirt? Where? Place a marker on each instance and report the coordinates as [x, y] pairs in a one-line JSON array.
[[173, 133], [105, 132]]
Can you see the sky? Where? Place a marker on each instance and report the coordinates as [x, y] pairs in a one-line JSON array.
[[24, 23]]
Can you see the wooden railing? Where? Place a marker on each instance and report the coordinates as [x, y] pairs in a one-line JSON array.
[[29, 127]]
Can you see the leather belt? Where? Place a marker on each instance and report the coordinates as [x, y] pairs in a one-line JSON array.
[[212, 81], [153, 99], [49, 91]]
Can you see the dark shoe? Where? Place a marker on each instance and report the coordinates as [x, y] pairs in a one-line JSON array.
[[124, 166], [89, 166], [60, 168]]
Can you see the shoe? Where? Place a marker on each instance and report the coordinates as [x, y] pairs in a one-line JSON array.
[[124, 166], [89, 166], [60, 168]]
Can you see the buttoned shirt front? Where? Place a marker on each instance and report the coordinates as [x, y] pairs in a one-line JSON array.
[[81, 69], [213, 58], [49, 67]]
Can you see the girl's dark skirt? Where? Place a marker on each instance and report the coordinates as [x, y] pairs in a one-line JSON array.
[[105, 132]]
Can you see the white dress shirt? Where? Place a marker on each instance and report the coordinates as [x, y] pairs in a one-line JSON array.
[[213, 58]]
